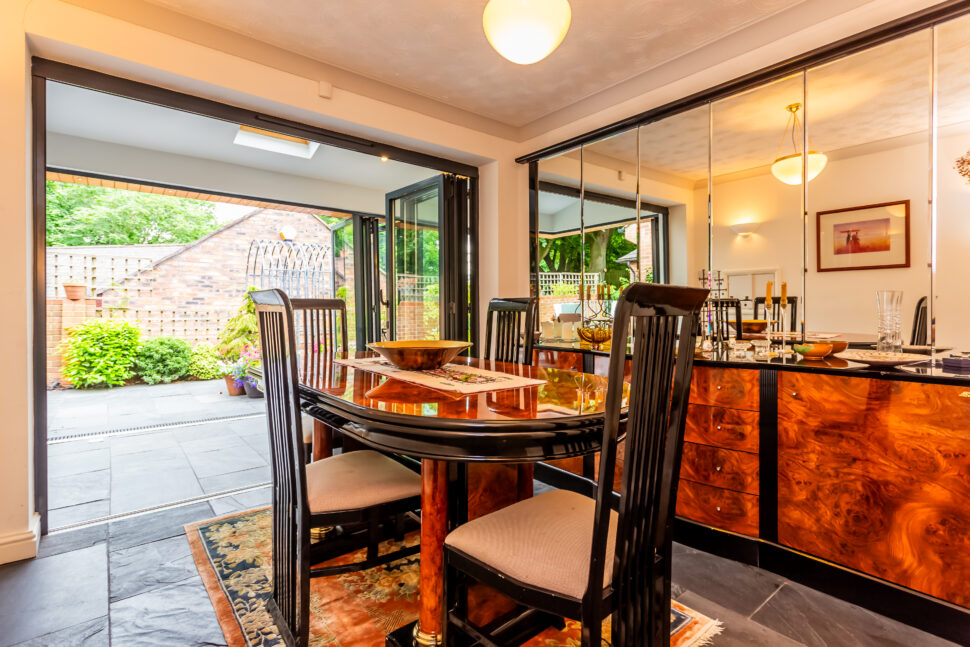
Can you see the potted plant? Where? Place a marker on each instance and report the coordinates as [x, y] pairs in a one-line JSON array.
[[234, 385], [75, 290], [250, 358]]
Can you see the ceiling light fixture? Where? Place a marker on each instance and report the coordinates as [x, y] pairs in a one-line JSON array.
[[526, 31], [788, 168], [267, 140]]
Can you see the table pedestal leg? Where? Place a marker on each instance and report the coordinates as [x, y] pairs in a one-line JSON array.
[[322, 440], [434, 527]]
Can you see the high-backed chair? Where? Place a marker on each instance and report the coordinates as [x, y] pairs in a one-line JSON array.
[[506, 322], [919, 334], [365, 493], [725, 318], [759, 306], [317, 323], [569, 555]]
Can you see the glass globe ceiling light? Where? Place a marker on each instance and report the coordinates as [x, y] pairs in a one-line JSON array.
[[788, 168], [526, 31]]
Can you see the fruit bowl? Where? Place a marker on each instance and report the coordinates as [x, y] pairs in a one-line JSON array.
[[813, 350], [596, 334], [419, 354]]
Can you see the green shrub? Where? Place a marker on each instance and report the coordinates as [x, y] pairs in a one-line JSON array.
[[205, 364], [240, 331], [100, 352], [163, 359]]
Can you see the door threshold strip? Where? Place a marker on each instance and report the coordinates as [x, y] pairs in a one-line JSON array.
[[158, 508], [98, 435]]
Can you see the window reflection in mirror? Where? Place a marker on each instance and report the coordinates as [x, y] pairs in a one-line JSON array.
[[756, 224], [869, 114], [952, 76]]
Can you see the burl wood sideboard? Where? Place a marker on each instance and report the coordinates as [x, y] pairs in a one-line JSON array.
[[851, 480]]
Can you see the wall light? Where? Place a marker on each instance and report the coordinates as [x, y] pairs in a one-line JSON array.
[[745, 228], [526, 31]]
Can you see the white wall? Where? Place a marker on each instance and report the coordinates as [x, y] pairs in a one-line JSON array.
[[80, 154]]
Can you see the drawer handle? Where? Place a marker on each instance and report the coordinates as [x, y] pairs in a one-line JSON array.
[[718, 508], [717, 469], [719, 427], [719, 388], [794, 394]]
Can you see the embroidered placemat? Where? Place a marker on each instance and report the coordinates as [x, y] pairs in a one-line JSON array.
[[466, 380]]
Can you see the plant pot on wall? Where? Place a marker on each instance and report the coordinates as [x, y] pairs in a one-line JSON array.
[[251, 389], [231, 387], [74, 291]]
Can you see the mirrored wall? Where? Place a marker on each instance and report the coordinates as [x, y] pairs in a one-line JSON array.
[[835, 181]]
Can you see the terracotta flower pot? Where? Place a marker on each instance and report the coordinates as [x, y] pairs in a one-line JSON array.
[[231, 386], [74, 291]]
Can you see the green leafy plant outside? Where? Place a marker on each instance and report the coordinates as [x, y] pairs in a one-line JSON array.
[[100, 352], [241, 330], [205, 364], [163, 360]]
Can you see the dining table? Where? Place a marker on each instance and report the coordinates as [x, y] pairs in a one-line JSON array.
[[476, 450]]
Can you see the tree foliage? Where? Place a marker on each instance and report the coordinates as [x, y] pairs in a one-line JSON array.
[[78, 214], [100, 352], [603, 247], [241, 331]]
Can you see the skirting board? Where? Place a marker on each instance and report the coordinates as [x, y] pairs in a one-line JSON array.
[[16, 546]]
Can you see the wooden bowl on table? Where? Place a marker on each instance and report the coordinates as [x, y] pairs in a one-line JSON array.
[[419, 354], [813, 350]]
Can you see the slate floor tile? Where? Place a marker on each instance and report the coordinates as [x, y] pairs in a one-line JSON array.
[[61, 517], [820, 620], [222, 461], [93, 633], [178, 614], [41, 596], [738, 587], [93, 460], [157, 525], [62, 542], [738, 631], [141, 443], [241, 502], [75, 489], [150, 566], [153, 487], [232, 480]]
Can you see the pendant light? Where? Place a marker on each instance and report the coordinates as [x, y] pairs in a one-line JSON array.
[[526, 31], [788, 168]]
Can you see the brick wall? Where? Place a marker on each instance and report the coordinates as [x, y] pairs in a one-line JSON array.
[[417, 320], [212, 272], [61, 315]]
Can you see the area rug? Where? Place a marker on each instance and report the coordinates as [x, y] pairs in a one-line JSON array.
[[233, 556]]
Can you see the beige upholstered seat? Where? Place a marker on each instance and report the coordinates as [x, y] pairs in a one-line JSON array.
[[544, 541], [358, 480]]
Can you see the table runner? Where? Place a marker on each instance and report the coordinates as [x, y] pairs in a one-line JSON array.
[[466, 380]]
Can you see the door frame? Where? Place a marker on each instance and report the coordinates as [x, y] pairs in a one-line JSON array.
[[44, 70]]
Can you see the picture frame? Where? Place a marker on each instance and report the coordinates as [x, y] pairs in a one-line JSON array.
[[868, 237]]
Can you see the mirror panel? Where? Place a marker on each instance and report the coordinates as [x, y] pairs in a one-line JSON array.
[[610, 237], [674, 175], [558, 241], [756, 223], [951, 307], [869, 114]]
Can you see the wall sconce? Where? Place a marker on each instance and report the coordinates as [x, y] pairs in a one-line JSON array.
[[745, 228]]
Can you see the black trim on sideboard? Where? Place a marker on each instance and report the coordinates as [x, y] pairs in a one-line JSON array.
[[768, 454]]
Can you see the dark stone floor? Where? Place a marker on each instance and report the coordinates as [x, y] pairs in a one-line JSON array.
[[133, 582]]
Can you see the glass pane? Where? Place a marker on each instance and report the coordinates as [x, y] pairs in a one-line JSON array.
[[416, 267], [674, 173], [559, 238], [756, 218], [868, 221], [951, 307]]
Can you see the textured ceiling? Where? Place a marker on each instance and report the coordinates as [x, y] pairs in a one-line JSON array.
[[438, 49], [873, 96]]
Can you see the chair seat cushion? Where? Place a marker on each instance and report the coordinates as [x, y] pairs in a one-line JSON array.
[[544, 542], [356, 480]]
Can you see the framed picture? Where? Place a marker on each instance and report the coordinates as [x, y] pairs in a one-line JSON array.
[[871, 237]]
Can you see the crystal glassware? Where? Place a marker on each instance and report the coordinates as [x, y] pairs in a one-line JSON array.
[[889, 320]]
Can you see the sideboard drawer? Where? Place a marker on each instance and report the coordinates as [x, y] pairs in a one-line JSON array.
[[722, 427], [736, 388], [725, 509], [723, 468]]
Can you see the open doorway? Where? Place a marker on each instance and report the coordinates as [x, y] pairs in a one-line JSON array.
[[164, 219]]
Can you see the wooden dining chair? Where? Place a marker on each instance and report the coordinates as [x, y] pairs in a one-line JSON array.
[[759, 305], [568, 555], [316, 323], [506, 322], [919, 335], [724, 313], [364, 495]]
